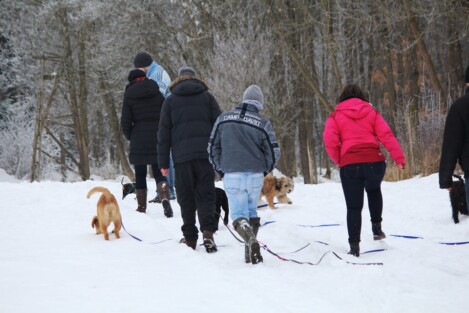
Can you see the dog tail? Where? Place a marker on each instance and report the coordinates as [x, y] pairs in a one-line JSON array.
[[103, 190], [95, 222]]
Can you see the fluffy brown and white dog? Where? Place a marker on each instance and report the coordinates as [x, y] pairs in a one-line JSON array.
[[277, 187], [107, 212]]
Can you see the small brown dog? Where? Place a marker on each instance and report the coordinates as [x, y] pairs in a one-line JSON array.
[[277, 187], [107, 212]]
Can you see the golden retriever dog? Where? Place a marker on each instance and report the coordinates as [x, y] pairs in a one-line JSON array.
[[277, 187], [107, 212]]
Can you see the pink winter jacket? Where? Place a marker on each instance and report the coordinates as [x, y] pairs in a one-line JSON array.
[[354, 132]]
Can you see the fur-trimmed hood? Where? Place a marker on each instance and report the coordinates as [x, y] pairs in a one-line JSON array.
[[186, 85]]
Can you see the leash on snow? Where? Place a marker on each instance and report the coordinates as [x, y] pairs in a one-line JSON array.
[[136, 238], [266, 248], [455, 243]]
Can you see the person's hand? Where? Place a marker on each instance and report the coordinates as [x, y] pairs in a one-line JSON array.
[[449, 189], [401, 166], [164, 171]]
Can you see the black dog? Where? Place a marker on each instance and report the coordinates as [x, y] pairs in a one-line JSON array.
[[457, 197], [221, 203], [127, 188]]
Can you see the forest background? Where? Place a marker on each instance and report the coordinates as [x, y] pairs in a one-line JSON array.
[[64, 66]]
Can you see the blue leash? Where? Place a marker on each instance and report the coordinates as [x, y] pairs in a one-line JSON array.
[[264, 246], [321, 225], [456, 243], [406, 236], [136, 238]]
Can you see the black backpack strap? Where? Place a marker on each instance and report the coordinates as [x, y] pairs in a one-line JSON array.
[[243, 111]]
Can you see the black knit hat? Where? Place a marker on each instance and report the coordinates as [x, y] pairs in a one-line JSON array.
[[466, 77], [142, 59], [186, 71]]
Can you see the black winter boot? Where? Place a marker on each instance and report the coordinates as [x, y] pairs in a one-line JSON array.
[[255, 224], [245, 230], [163, 190], [209, 242], [354, 249], [377, 232]]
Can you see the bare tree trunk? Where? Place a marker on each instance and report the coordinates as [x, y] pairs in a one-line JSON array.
[[83, 87], [454, 60], [422, 47], [76, 106], [42, 113], [330, 44], [115, 128], [410, 97], [311, 81]]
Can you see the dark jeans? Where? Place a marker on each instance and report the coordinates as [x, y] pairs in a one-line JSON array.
[[141, 175], [195, 189], [357, 178]]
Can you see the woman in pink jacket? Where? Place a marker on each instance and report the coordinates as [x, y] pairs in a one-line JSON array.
[[353, 135]]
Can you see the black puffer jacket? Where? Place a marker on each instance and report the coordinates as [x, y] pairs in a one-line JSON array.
[[455, 146], [140, 117], [186, 121]]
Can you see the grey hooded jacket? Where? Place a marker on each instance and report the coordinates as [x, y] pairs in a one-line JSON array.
[[242, 140]]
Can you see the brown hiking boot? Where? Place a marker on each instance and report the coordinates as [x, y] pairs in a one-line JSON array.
[[163, 190], [141, 200], [209, 242], [190, 243]]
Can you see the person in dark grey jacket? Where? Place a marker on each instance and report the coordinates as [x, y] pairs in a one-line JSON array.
[[139, 122], [455, 147], [243, 149], [187, 118]]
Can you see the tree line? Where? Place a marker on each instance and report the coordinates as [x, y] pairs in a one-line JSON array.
[[64, 66]]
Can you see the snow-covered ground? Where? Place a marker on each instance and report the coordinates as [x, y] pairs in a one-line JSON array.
[[51, 260]]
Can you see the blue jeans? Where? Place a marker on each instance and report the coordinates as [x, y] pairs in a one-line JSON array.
[[243, 191], [171, 175]]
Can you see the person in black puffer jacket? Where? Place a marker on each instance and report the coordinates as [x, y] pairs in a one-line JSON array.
[[139, 122], [187, 118], [455, 146]]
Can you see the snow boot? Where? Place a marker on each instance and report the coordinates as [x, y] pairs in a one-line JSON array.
[[156, 199], [209, 242], [255, 224], [163, 190], [377, 232], [141, 200], [190, 243], [243, 228], [354, 249]]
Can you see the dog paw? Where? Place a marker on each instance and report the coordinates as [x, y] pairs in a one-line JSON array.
[[290, 202]]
